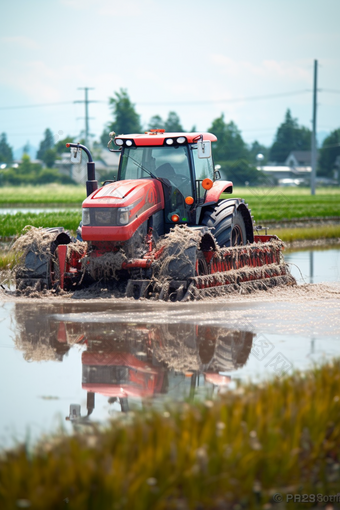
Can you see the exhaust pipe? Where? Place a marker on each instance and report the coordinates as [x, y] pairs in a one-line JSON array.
[[91, 183]]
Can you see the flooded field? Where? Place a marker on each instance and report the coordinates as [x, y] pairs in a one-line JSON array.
[[75, 362], [37, 210]]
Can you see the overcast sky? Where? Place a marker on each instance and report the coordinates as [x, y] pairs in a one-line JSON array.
[[197, 58]]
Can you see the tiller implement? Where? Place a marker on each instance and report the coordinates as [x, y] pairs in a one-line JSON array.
[[161, 230]]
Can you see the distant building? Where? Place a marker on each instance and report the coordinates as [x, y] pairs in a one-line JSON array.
[[296, 170], [299, 159]]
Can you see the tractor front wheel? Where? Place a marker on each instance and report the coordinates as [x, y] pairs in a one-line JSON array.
[[230, 221]]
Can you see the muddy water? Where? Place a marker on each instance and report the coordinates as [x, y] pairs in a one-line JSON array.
[[67, 362]]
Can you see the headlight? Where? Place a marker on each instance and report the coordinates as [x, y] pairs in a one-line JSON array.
[[181, 139], [86, 216], [123, 215]]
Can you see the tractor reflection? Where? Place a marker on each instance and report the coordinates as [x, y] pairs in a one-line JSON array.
[[132, 364], [139, 362]]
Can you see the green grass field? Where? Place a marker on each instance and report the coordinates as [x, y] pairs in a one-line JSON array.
[[289, 203], [267, 204], [235, 453], [42, 195], [12, 224]]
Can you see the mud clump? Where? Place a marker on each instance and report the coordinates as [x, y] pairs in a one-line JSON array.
[[104, 267], [37, 240]]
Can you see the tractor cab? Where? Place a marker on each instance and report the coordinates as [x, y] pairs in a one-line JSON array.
[[181, 161]]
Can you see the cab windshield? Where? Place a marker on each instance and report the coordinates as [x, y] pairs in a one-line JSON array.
[[171, 164]]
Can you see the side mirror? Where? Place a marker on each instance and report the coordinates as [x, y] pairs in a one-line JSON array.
[[75, 155], [204, 149], [217, 173]]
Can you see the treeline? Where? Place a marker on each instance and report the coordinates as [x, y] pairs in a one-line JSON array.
[[231, 151], [237, 159], [29, 172]]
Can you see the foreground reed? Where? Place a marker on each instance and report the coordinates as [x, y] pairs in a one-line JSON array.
[[281, 437]]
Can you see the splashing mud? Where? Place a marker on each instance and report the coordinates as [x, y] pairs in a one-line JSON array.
[[181, 260]]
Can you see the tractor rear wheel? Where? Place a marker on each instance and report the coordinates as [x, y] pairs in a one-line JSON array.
[[230, 221]]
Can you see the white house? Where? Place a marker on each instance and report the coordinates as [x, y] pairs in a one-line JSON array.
[[295, 170]]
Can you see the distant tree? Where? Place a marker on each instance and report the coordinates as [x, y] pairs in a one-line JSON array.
[[60, 146], [26, 166], [49, 157], [46, 144], [105, 137], [329, 151], [289, 137], [230, 145], [173, 123], [125, 118], [32, 173], [26, 148], [6, 153], [156, 122], [241, 173], [255, 149]]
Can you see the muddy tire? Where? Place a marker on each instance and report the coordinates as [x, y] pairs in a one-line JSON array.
[[230, 221], [182, 261], [38, 263], [183, 258]]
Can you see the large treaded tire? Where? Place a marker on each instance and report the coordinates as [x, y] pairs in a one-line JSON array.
[[37, 267], [230, 221]]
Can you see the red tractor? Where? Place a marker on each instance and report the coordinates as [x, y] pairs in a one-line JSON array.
[[161, 229]]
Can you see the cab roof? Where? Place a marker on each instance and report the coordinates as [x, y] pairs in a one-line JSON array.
[[158, 136]]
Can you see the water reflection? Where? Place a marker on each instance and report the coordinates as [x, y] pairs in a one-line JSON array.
[[315, 266], [127, 361]]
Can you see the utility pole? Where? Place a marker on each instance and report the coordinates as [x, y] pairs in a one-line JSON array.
[[87, 118], [313, 176]]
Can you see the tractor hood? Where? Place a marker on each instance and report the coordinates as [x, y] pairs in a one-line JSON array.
[[115, 211], [123, 193]]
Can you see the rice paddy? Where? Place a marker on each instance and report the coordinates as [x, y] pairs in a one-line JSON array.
[[13, 224], [42, 195], [266, 203], [288, 235], [252, 443], [281, 437], [279, 204]]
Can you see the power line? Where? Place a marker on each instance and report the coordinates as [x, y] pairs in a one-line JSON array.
[[234, 100], [216, 101], [34, 105]]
